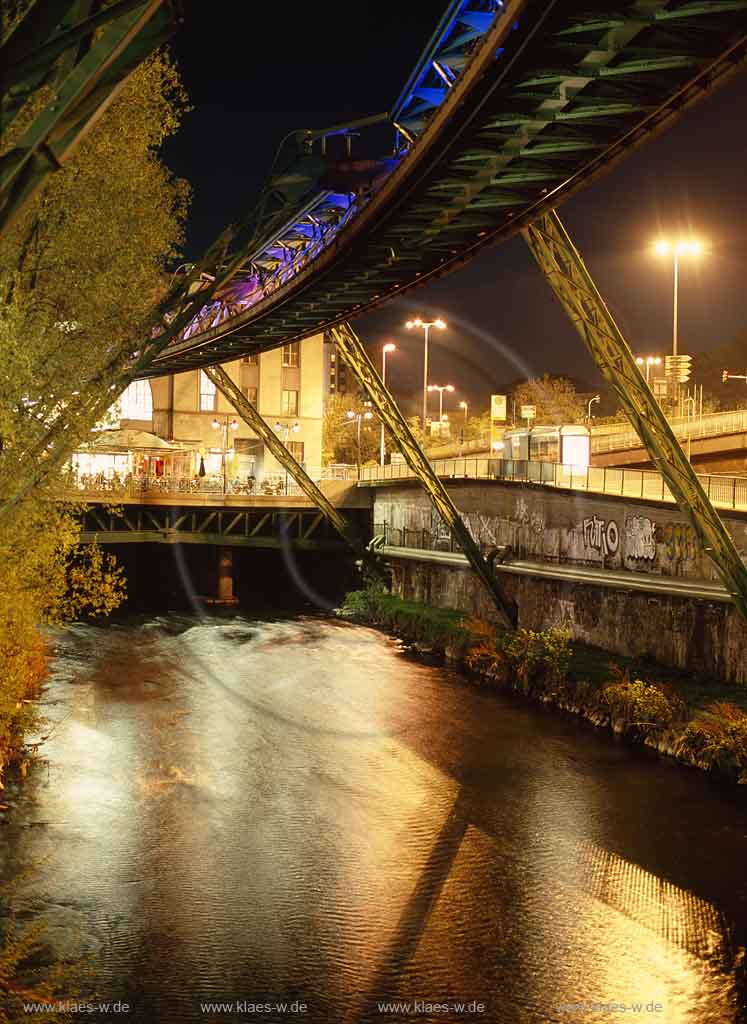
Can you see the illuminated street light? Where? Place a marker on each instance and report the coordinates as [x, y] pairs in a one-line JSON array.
[[440, 388], [425, 325], [357, 417], [286, 428], [389, 347], [596, 398], [682, 247], [648, 362], [223, 426], [463, 405]]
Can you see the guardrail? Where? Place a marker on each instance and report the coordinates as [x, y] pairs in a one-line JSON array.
[[141, 488], [723, 491], [693, 427]]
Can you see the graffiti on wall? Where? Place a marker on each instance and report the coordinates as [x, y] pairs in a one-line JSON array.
[[640, 538], [484, 529], [680, 542], [534, 519], [601, 535]]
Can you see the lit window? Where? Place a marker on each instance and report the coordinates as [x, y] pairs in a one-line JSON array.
[[290, 354], [208, 394], [250, 394], [296, 450], [136, 402], [289, 403]]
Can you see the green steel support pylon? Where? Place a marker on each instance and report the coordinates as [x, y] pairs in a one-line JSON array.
[[251, 416], [354, 354], [84, 58], [567, 275]]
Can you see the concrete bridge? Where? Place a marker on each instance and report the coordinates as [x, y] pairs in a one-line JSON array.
[[716, 443]]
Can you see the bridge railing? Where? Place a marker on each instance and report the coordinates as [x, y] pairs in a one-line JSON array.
[[110, 488], [693, 427], [648, 485]]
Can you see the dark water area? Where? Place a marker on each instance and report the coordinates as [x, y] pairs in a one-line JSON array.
[[237, 810], [163, 577]]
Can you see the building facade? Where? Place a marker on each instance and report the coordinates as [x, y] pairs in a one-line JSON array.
[[287, 385]]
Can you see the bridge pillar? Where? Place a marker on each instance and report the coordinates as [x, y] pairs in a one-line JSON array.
[[349, 345], [224, 590], [567, 275]]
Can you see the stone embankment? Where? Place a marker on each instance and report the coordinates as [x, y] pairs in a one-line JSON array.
[[683, 718]]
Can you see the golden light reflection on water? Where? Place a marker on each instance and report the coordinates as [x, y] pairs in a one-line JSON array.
[[312, 813]]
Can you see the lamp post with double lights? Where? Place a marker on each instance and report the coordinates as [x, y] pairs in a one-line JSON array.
[[357, 418], [223, 426], [682, 247], [440, 388], [425, 326], [648, 362], [389, 347], [286, 429]]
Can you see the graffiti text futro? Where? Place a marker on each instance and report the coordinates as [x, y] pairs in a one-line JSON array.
[[601, 535]]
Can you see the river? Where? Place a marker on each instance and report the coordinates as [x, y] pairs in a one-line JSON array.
[[293, 811]]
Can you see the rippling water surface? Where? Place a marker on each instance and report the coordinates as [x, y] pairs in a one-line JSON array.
[[278, 811]]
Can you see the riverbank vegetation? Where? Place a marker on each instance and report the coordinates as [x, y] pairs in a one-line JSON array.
[[676, 714], [81, 270]]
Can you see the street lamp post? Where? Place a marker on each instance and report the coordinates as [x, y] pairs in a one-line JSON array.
[[440, 388], [648, 362], [287, 428], [596, 398], [223, 426], [682, 247], [389, 347], [426, 326], [357, 417]]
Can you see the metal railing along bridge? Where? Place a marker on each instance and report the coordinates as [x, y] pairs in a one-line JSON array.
[[725, 492]]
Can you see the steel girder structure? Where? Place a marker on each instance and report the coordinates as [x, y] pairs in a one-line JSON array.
[[569, 278], [505, 121], [252, 418], [351, 348], [240, 527], [79, 55]]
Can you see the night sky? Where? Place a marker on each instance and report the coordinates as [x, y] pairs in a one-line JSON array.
[[252, 77]]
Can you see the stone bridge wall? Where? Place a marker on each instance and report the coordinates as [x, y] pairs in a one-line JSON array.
[[544, 525], [573, 528]]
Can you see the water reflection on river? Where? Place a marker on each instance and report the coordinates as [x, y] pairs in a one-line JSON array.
[[293, 810]]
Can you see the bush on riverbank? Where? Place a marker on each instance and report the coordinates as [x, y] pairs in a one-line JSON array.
[[642, 708], [674, 718], [441, 628], [716, 739]]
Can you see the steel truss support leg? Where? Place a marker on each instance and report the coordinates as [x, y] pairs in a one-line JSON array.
[[567, 275], [350, 347], [249, 414]]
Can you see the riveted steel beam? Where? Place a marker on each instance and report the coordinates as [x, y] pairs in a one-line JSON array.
[[351, 349], [89, 76], [569, 278], [252, 418]]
